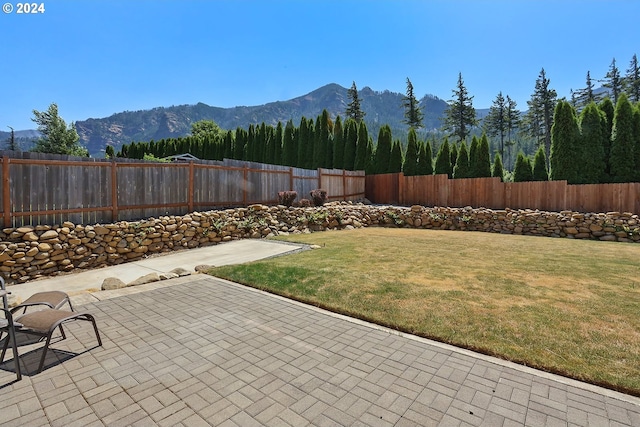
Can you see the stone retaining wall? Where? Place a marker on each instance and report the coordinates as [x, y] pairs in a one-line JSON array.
[[30, 252]]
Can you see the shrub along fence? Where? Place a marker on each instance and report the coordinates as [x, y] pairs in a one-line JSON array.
[[556, 196], [40, 189]]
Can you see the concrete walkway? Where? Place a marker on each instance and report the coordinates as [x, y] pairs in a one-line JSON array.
[[234, 252], [204, 351]]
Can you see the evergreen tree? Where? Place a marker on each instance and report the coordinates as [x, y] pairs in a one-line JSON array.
[[425, 159], [250, 148], [498, 170], [513, 122], [13, 146], [370, 167], [461, 169], [460, 116], [228, 145], [473, 157], [522, 171], [361, 147], [636, 137], [483, 158], [395, 159], [321, 140], [311, 135], [622, 142], [383, 150], [289, 154], [607, 107], [303, 140], [413, 116], [540, 166], [55, 136], [277, 144], [354, 111], [239, 146], [632, 80], [453, 154], [338, 144], [109, 152], [350, 144], [410, 165], [443, 160], [565, 151], [591, 170], [495, 123], [539, 118], [586, 95], [613, 81]]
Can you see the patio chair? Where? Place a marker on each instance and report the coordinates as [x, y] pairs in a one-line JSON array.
[[51, 299], [43, 323], [9, 325]]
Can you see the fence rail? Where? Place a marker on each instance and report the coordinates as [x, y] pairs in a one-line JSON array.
[[44, 189], [439, 190]]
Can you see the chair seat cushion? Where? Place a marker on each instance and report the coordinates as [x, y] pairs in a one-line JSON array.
[[44, 320]]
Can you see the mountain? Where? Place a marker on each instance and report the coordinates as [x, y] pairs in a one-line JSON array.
[[169, 122]]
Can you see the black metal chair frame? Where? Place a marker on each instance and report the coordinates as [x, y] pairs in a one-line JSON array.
[[11, 329], [62, 317]]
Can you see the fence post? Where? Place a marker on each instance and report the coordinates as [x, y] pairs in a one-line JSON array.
[[290, 179], [344, 184], [319, 178], [114, 191], [6, 192], [245, 174], [191, 186]]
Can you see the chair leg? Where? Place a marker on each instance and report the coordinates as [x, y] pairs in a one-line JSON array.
[[95, 328], [16, 359], [44, 352], [11, 336]]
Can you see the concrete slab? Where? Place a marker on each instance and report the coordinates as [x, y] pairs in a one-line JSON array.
[[234, 252]]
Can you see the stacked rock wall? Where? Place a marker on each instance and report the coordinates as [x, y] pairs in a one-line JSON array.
[[31, 252]]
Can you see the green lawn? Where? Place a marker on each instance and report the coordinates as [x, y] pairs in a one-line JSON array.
[[565, 306]]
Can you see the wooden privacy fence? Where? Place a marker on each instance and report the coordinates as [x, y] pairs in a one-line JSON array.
[[439, 190], [41, 189]]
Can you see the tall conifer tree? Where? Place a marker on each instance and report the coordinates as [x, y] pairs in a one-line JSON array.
[[591, 170], [354, 110], [395, 160], [338, 144], [632, 80], [350, 144], [443, 160], [410, 165], [522, 171], [383, 150], [540, 166], [612, 81], [461, 169], [413, 116], [498, 169], [565, 150], [622, 157], [460, 116], [483, 158], [361, 147], [289, 153]]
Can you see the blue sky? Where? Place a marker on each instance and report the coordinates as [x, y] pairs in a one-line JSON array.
[[98, 57]]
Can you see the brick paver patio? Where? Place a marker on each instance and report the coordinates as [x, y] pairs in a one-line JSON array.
[[208, 352]]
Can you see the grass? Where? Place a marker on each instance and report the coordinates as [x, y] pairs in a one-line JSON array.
[[566, 306]]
